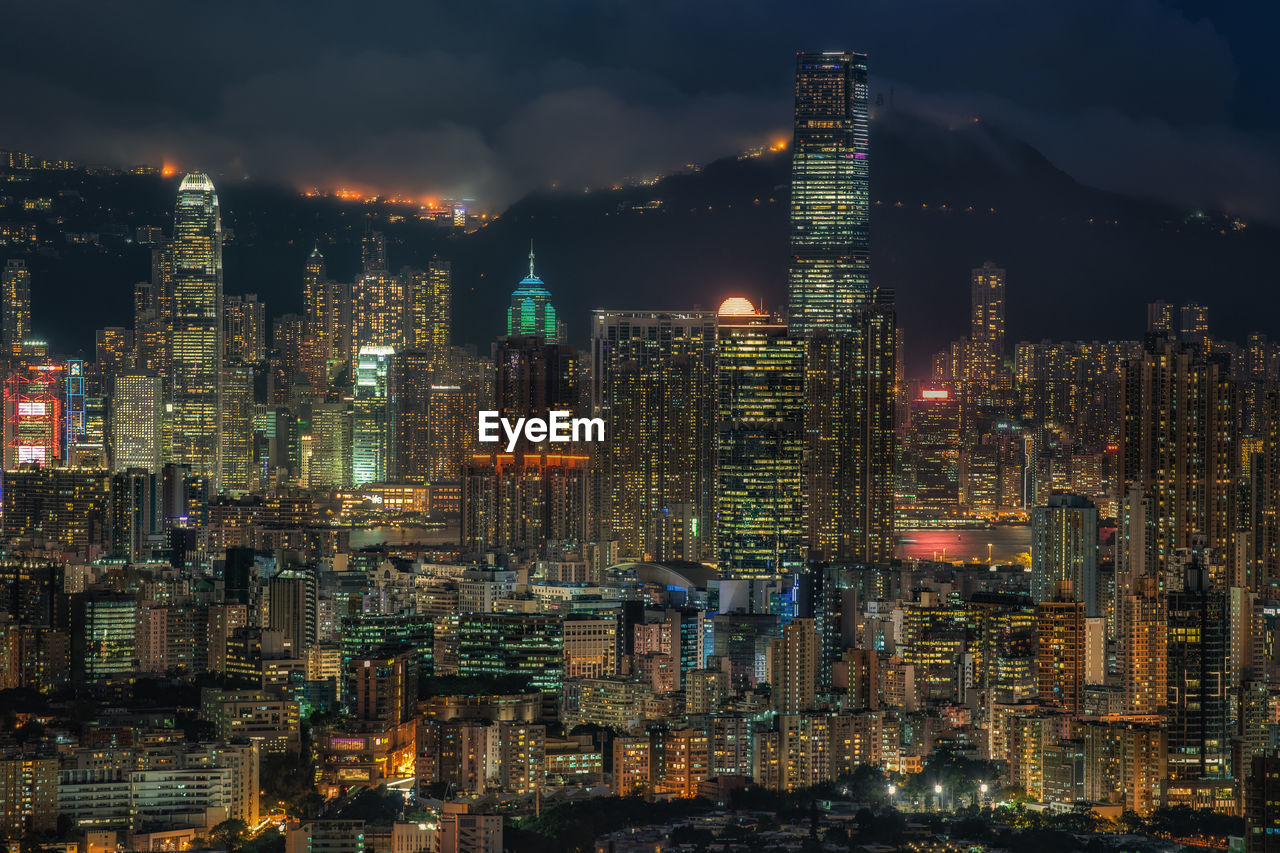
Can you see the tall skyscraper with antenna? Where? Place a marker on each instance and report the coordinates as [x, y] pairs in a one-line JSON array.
[[531, 311], [196, 330]]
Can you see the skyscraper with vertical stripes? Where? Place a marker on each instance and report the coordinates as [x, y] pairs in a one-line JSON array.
[[830, 273], [196, 330]]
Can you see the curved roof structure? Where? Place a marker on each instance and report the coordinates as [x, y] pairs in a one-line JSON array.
[[679, 573]]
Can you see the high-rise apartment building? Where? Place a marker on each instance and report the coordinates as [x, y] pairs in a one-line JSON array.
[[386, 685], [196, 327], [1197, 680], [28, 794], [986, 324], [15, 320], [987, 305], [830, 275], [1060, 654], [328, 307], [293, 607], [380, 319], [1064, 551], [431, 309], [409, 381], [850, 449], [1262, 804], [519, 502], [237, 458], [245, 329], [793, 667], [760, 442], [1179, 446], [653, 381]]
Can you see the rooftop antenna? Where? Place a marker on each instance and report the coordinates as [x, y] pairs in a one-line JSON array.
[[531, 275]]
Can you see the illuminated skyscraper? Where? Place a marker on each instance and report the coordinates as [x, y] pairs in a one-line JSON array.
[[1265, 518], [653, 377], [1197, 694], [430, 301], [409, 382], [373, 252], [293, 606], [1064, 551], [456, 393], [1143, 640], [1060, 657], [1179, 447], [288, 340], [113, 351], [850, 441], [498, 644], [386, 685], [986, 326], [369, 430], [987, 304], [330, 463], [67, 506], [152, 311], [760, 425], [103, 642], [830, 273], [15, 325], [328, 322], [519, 502], [531, 311], [236, 461], [196, 333], [314, 276], [793, 667], [245, 329], [136, 409], [33, 417], [380, 317]]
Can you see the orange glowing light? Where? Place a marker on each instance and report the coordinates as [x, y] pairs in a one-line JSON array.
[[168, 170], [737, 306]]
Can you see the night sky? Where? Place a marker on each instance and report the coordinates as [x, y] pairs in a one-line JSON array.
[[1175, 101]]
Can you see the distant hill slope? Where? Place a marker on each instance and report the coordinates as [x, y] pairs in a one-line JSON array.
[[1081, 262]]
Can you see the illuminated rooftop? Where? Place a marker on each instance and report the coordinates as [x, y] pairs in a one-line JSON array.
[[197, 181], [737, 306]]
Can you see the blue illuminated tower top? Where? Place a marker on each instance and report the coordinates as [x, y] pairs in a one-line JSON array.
[[531, 311]]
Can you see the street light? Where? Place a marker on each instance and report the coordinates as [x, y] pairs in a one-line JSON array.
[[937, 790]]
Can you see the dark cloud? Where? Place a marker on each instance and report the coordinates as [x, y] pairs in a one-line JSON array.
[[491, 99]]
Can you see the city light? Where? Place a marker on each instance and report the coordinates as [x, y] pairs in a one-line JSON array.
[[335, 519]]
